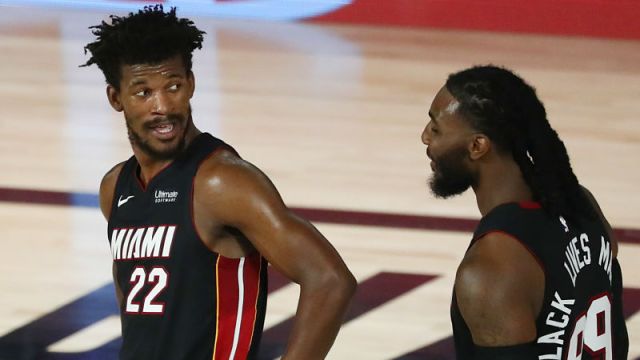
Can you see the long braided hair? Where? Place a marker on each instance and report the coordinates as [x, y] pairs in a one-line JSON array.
[[506, 109]]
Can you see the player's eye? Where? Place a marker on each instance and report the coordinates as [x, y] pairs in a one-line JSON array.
[[142, 93]]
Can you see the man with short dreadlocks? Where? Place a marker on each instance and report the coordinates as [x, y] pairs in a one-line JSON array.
[[192, 225], [540, 278]]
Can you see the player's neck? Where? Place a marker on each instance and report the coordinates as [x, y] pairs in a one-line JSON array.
[[151, 166], [493, 190]]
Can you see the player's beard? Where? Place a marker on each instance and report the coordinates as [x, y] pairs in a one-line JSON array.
[[451, 176], [164, 153]]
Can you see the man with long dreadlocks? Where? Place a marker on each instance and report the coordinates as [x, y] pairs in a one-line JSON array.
[[191, 224], [540, 279]]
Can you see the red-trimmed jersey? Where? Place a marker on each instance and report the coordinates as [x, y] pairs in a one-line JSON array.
[[581, 316], [181, 300]]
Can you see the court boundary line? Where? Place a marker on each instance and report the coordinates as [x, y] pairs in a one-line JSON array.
[[330, 216]]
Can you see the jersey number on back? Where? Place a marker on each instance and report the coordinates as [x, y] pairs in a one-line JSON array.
[[158, 277], [592, 331]]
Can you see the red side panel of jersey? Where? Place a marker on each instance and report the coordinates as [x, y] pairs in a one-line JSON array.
[[238, 281]]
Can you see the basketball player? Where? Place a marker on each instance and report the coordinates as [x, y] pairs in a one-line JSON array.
[[192, 225], [540, 279]]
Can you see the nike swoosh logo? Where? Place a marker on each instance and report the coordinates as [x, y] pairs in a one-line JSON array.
[[122, 201]]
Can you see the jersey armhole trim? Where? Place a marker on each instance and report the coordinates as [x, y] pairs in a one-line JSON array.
[[530, 205]]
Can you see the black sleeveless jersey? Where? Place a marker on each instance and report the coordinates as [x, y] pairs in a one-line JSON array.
[[581, 315], [181, 300]]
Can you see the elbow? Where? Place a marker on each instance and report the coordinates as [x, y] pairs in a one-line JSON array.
[[347, 284], [341, 283], [351, 284]]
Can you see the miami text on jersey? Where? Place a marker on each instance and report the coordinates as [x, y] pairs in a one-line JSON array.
[[142, 243]]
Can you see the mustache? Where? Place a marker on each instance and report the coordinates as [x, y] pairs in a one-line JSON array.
[[171, 118]]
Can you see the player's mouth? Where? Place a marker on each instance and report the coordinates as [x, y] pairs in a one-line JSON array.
[[431, 163], [164, 130]]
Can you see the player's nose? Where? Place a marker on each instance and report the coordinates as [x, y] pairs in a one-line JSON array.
[[426, 139], [161, 103]]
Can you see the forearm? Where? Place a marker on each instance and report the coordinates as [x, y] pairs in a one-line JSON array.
[[320, 312]]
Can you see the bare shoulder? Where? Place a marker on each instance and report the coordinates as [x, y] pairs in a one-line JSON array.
[[229, 188], [107, 188], [499, 289], [488, 267], [226, 172]]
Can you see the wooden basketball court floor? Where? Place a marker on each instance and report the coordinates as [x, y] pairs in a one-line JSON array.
[[333, 114]]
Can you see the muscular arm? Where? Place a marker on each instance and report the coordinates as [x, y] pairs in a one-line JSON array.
[[499, 290], [107, 188], [238, 195]]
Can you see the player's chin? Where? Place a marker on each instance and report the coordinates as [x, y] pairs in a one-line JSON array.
[[167, 151]]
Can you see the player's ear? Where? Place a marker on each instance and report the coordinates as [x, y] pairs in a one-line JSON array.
[[479, 146], [114, 98]]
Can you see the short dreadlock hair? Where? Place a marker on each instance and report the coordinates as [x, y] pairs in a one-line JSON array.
[[149, 36]]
